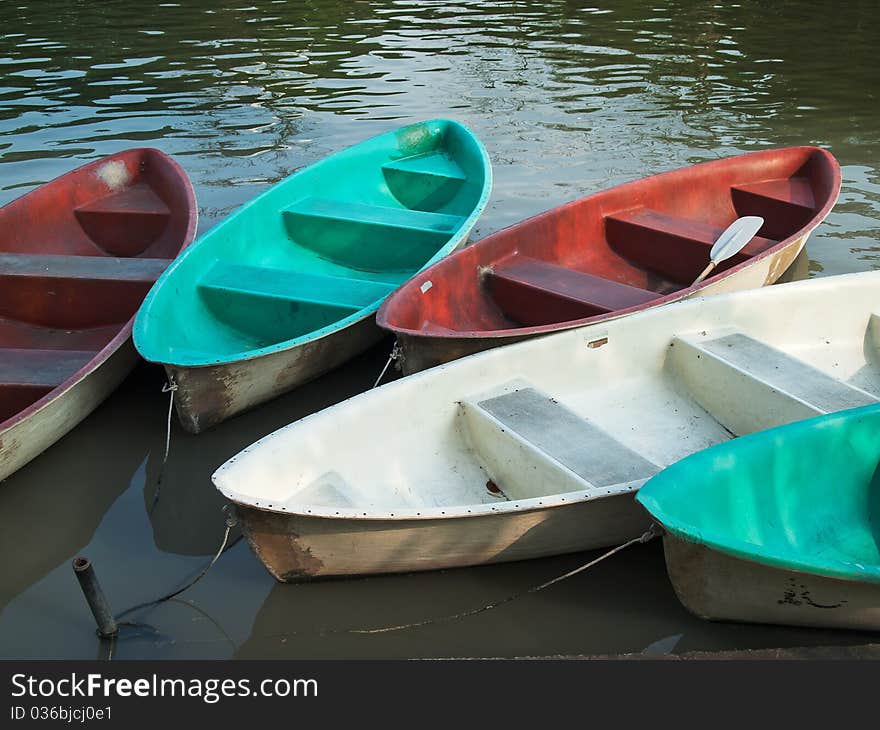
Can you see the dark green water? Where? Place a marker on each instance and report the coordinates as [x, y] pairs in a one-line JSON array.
[[568, 98]]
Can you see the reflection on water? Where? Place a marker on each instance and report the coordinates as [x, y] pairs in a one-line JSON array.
[[569, 98]]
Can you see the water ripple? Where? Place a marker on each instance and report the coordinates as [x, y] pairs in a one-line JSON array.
[[568, 97]]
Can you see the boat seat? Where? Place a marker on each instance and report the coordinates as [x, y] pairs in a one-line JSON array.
[[748, 385], [127, 222], [432, 164], [291, 286], [369, 237], [786, 205], [534, 446], [417, 221], [90, 268], [675, 248], [534, 292], [424, 182], [17, 334], [26, 375], [39, 368], [74, 292]]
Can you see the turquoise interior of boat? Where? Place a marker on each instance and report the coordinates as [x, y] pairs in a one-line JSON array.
[[804, 497], [319, 250]]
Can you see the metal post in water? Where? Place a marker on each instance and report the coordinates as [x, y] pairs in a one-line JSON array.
[[88, 581]]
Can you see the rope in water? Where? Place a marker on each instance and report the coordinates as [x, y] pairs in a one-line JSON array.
[[395, 355], [652, 532], [231, 522], [169, 387], [109, 645]]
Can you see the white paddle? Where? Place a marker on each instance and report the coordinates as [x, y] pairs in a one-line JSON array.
[[731, 242]]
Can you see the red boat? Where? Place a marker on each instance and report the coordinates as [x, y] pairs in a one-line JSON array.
[[635, 246], [77, 256]]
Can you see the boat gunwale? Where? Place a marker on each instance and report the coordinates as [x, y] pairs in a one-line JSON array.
[[455, 242], [686, 293], [741, 549], [125, 329], [516, 506]]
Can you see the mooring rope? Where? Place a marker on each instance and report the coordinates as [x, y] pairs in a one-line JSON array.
[[231, 522], [169, 387], [108, 645], [395, 354], [652, 532]]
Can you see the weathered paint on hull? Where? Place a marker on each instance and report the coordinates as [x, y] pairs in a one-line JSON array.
[[28, 437], [207, 395], [300, 547], [422, 352], [719, 587]]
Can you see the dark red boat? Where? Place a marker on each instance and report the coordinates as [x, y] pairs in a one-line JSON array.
[[638, 245], [77, 256]]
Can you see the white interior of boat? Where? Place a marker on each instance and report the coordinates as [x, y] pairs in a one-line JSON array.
[[575, 416]]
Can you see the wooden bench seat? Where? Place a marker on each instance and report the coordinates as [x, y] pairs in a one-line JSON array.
[[786, 205], [675, 248], [424, 182], [368, 237], [257, 281], [74, 292], [748, 385], [534, 292], [39, 368], [127, 222], [536, 446], [91, 268], [438, 224]]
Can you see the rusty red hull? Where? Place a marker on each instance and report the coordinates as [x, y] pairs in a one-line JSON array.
[[77, 257], [619, 251]]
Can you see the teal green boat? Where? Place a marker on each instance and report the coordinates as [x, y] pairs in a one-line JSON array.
[[780, 526], [287, 287]]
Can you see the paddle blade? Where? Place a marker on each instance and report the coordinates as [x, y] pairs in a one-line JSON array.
[[735, 237]]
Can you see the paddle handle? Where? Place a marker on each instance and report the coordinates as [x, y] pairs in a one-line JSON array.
[[705, 273]]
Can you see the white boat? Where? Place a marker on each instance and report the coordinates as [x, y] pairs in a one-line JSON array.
[[538, 448]]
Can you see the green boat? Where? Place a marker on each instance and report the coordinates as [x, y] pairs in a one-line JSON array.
[[287, 287], [780, 526]]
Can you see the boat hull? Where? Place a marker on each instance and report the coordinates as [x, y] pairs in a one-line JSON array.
[[531, 430], [207, 395], [719, 587], [27, 438], [423, 351], [299, 547]]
